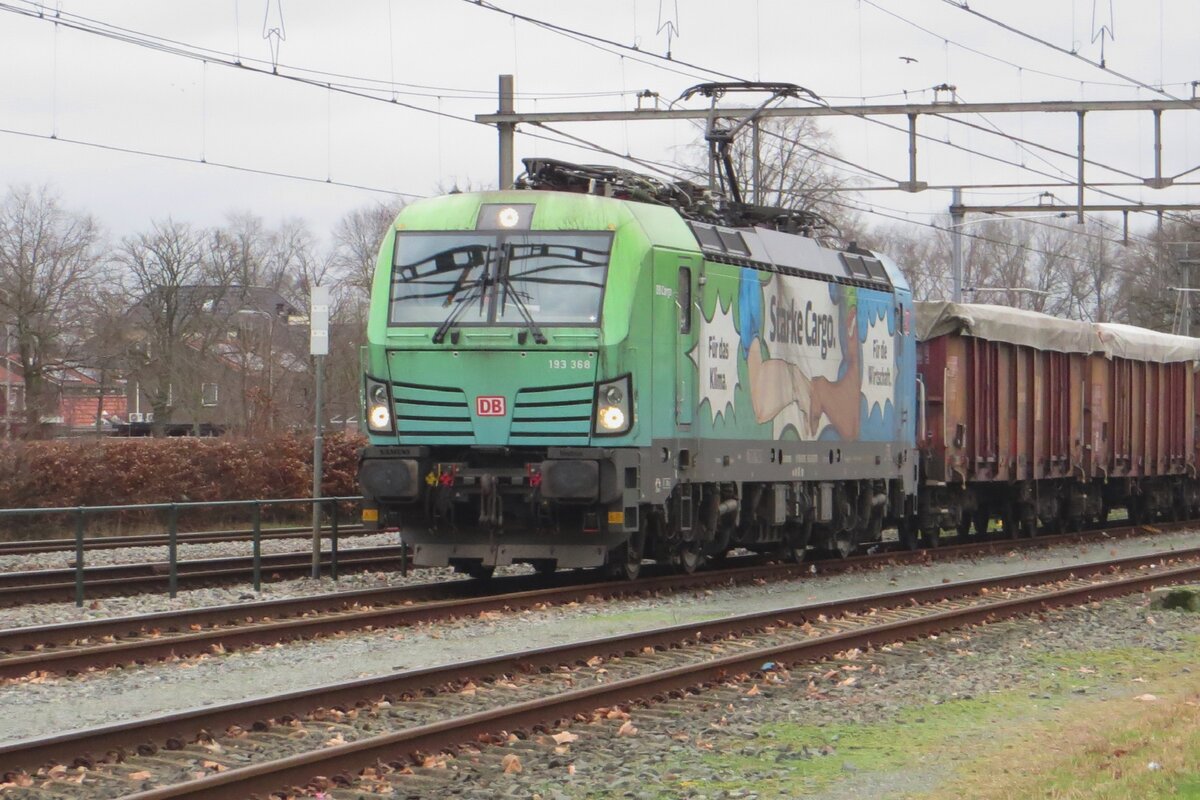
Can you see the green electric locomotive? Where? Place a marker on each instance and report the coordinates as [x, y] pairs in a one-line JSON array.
[[601, 376]]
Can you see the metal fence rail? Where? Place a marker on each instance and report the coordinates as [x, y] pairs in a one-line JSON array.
[[321, 506]]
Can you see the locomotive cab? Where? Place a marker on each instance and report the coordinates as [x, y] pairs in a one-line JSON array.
[[500, 396]]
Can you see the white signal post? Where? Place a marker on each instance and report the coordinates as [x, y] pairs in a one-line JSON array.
[[318, 346]]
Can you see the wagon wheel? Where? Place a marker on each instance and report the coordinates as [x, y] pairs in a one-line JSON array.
[[906, 532], [1008, 523], [931, 537], [545, 566], [625, 560], [980, 521], [1134, 508]]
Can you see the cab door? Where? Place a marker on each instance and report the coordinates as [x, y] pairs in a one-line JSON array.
[[686, 331]]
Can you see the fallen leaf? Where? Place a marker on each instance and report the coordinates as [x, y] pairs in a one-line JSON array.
[[565, 737], [1146, 698], [140, 775], [753, 691], [511, 763], [627, 729]]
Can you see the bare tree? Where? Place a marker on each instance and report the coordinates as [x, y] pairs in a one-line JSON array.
[[181, 292], [356, 241], [1148, 272], [49, 260], [922, 255], [796, 167]]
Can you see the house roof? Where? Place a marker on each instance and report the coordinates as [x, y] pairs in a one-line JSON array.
[[229, 300]]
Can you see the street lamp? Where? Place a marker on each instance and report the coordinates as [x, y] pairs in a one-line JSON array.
[[270, 358]]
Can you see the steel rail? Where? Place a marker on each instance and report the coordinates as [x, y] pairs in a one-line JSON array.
[[94, 743], [58, 585], [430, 738], [77, 646]]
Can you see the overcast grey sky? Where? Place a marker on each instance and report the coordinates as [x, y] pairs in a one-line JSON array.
[[445, 55]]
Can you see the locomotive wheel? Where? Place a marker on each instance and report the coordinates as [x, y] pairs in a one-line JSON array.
[[480, 572], [931, 537], [980, 521], [795, 541], [846, 543], [906, 532], [545, 566], [625, 561], [688, 557]]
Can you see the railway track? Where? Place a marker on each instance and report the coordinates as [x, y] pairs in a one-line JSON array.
[[76, 647], [67, 546], [58, 585], [270, 743]]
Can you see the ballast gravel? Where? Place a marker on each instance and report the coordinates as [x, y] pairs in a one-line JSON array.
[[729, 742], [233, 594], [55, 704]]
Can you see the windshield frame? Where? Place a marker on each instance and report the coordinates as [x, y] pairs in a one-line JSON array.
[[497, 260]]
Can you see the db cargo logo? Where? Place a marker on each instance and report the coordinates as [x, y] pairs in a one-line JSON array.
[[490, 406]]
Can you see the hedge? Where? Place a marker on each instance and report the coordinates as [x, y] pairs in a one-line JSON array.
[[128, 471]]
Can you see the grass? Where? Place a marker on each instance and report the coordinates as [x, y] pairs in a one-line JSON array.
[[1103, 750], [1072, 729]]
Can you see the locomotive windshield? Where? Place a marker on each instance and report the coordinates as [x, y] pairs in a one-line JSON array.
[[526, 278]]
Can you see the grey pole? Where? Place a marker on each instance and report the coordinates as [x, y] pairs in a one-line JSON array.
[[757, 177], [318, 452], [506, 129], [318, 346], [956, 265], [8, 380], [1185, 322]]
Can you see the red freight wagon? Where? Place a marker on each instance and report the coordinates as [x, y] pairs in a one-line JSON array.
[[1029, 418], [1152, 381]]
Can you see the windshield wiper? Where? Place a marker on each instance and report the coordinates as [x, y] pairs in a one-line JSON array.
[[476, 289], [509, 289]]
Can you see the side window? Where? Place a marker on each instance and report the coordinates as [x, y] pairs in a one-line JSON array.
[[685, 299]]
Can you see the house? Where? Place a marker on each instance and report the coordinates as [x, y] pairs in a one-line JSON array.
[[81, 396], [242, 363]]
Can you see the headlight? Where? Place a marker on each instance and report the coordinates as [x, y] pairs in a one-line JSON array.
[[614, 414], [380, 418], [612, 418], [379, 407]]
